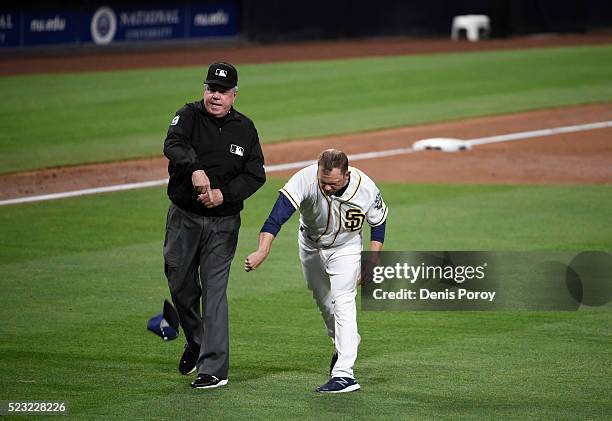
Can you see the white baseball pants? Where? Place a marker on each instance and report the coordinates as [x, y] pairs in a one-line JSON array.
[[332, 276]]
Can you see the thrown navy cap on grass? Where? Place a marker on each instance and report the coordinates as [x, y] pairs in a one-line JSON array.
[[165, 324]]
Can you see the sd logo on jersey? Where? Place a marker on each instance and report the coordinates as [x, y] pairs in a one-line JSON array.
[[353, 219]]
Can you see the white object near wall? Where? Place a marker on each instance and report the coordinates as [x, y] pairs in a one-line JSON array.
[[473, 25]]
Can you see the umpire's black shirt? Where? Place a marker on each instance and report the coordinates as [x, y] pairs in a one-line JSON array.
[[227, 149]]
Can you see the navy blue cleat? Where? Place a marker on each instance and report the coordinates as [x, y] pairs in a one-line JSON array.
[[339, 385]]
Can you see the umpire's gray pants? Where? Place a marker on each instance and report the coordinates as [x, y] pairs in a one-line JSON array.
[[201, 245]]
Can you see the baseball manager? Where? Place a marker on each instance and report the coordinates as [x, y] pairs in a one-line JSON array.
[[215, 163], [334, 201]]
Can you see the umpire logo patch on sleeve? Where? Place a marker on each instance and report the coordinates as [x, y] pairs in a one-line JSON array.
[[237, 150]]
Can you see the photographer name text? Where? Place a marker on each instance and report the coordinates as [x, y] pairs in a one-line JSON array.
[[425, 294]]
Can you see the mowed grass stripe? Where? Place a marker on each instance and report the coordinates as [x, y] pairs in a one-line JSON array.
[[51, 120]]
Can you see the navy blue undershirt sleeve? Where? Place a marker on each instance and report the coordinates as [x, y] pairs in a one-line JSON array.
[[378, 233], [281, 212]]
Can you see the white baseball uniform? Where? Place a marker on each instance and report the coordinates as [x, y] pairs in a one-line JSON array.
[[330, 240]]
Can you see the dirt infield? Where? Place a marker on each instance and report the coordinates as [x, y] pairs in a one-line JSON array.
[[573, 158]]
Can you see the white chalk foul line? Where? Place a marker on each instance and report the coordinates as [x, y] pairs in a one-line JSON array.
[[301, 164], [84, 192], [539, 133], [353, 157]]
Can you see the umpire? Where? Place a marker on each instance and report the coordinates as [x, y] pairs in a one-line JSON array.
[[216, 162]]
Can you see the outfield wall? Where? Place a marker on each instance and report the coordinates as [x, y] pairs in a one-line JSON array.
[[109, 24], [270, 20], [94, 23]]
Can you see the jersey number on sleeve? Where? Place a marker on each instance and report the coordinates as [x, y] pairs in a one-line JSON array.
[[353, 219]]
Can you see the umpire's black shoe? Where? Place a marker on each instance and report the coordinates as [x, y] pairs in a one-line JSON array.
[[187, 364], [206, 381], [333, 362]]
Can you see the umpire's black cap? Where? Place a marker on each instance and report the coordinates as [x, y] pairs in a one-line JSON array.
[[222, 74]]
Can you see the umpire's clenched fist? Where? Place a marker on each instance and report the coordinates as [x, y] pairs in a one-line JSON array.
[[200, 181]]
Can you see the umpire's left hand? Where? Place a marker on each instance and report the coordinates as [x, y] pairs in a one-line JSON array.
[[211, 198]]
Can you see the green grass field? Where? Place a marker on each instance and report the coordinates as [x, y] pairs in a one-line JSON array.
[[52, 120], [80, 277]]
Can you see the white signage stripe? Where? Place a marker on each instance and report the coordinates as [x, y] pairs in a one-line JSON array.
[[301, 164]]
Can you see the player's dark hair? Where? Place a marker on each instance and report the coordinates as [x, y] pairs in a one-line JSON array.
[[333, 158]]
